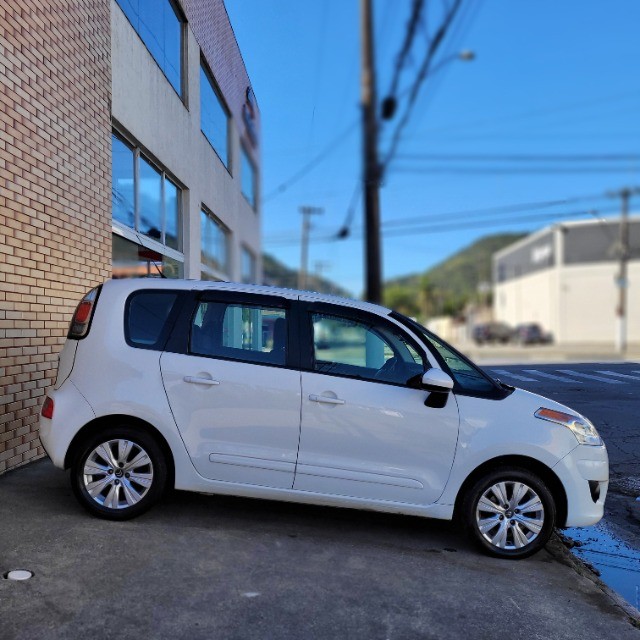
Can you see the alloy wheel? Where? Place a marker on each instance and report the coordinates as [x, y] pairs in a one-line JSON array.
[[510, 515], [117, 474]]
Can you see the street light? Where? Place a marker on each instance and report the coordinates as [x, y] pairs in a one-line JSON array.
[[390, 103]]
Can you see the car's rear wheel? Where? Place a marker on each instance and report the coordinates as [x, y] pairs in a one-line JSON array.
[[510, 513], [119, 473]]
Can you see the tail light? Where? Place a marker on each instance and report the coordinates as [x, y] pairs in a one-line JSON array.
[[47, 408], [81, 321]]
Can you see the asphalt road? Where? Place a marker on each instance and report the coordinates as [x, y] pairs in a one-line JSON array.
[[609, 395], [212, 567]]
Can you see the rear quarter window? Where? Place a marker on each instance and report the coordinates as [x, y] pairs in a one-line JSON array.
[[148, 317]]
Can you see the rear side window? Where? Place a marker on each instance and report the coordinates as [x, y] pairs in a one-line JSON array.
[[147, 318], [250, 333]]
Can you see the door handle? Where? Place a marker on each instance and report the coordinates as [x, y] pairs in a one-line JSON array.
[[208, 382], [325, 399]]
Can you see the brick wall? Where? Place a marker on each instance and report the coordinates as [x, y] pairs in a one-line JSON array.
[[55, 194]]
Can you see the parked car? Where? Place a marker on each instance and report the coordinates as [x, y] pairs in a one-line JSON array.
[[492, 332], [225, 388], [531, 333]]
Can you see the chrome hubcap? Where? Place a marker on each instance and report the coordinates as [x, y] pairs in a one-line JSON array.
[[118, 474], [510, 515]]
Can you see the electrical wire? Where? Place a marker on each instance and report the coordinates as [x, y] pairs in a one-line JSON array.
[[433, 47], [313, 163]]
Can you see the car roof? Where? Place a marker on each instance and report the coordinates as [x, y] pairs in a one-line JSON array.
[[135, 284]]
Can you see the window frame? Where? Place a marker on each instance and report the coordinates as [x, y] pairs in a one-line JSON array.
[[180, 340], [254, 190], [182, 21], [134, 234], [221, 275], [169, 322], [204, 66], [356, 315], [498, 392]]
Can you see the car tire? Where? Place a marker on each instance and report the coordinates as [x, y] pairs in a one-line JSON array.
[[493, 514], [119, 473]]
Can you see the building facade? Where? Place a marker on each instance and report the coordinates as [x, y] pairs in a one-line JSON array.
[[565, 278], [129, 146]]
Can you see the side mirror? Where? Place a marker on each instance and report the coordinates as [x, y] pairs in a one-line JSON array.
[[436, 380]]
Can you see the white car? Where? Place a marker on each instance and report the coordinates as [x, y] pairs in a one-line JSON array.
[[289, 395]]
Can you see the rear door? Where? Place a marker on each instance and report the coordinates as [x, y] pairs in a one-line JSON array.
[[234, 389]]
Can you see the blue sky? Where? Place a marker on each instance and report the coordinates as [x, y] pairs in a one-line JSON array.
[[556, 78]]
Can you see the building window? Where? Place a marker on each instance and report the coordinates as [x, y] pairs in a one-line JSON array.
[[214, 247], [145, 202], [248, 266], [248, 179], [161, 30], [214, 118], [132, 260]]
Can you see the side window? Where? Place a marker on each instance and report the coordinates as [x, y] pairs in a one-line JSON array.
[[146, 316], [343, 346], [240, 332], [468, 377]]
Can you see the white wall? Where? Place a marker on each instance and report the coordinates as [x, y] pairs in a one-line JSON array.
[[576, 303], [145, 105], [531, 298]]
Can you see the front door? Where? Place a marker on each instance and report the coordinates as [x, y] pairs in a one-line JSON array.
[[235, 399], [366, 432]]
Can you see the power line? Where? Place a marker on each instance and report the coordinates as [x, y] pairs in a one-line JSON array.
[[506, 170], [436, 227], [523, 157], [313, 163], [433, 47]]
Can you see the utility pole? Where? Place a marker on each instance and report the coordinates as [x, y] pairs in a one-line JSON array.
[[371, 166], [622, 278], [306, 212]]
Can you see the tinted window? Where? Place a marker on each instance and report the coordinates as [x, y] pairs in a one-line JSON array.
[[146, 318], [122, 189], [213, 116], [160, 29], [214, 243], [348, 347], [248, 333], [247, 178]]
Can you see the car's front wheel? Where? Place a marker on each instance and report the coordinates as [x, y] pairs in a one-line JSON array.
[[510, 513], [119, 473]]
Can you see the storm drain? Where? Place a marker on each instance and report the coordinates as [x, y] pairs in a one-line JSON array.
[[18, 574]]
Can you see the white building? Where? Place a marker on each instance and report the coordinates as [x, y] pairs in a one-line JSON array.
[[565, 277]]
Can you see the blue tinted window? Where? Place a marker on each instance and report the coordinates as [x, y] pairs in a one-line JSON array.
[[213, 117], [122, 191], [172, 212], [160, 29], [150, 193], [248, 179], [213, 243]]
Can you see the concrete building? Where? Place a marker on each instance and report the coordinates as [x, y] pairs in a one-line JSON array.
[[129, 145], [564, 277]]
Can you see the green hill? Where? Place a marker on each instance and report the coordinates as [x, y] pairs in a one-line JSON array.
[[448, 286], [279, 275]]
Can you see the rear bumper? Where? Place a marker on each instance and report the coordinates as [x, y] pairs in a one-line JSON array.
[[585, 475], [71, 412]]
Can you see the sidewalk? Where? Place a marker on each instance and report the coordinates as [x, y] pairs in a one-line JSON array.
[[546, 353], [212, 567]]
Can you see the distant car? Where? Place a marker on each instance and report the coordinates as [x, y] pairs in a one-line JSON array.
[[297, 396], [531, 333], [492, 332]]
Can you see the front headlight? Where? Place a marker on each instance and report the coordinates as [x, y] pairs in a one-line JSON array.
[[582, 428]]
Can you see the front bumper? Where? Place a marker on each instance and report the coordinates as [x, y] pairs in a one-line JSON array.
[[584, 473]]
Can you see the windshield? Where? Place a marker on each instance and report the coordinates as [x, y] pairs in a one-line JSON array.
[[467, 376]]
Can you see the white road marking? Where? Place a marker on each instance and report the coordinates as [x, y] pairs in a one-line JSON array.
[[551, 376], [620, 375], [504, 372], [588, 376]]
